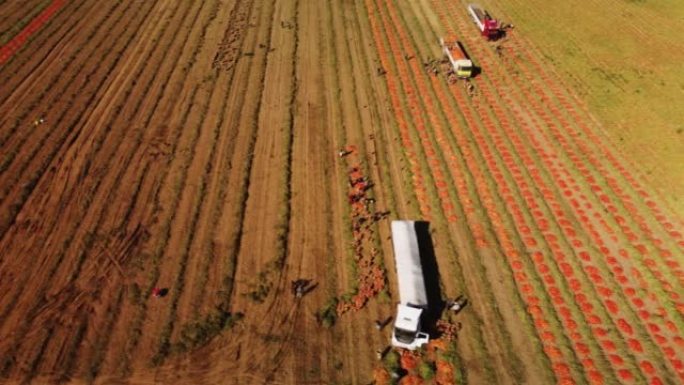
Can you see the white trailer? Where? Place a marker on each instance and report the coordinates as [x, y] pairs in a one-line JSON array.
[[412, 293]]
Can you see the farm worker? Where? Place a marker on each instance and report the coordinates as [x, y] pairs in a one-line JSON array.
[[457, 304]]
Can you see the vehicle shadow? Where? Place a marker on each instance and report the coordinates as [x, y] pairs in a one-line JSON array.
[[431, 273]]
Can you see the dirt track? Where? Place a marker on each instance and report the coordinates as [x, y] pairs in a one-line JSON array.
[[193, 146]]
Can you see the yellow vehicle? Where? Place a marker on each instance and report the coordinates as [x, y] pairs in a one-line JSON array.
[[462, 66]]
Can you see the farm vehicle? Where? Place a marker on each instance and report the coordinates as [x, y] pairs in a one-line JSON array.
[[460, 63], [407, 332], [488, 26]]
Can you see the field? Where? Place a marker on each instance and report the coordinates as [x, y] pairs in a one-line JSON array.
[[213, 149]]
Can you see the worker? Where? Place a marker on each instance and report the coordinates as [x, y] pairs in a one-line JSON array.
[[296, 284], [301, 287], [458, 304], [159, 292], [470, 89]]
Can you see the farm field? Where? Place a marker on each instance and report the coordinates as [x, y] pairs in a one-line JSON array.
[[629, 76], [194, 146]]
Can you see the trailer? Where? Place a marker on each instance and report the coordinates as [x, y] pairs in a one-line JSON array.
[[407, 332], [462, 65], [488, 26]]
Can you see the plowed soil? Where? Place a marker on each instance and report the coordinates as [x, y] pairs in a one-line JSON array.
[[194, 147]]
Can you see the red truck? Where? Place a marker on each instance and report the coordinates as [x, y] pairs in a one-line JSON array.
[[488, 26]]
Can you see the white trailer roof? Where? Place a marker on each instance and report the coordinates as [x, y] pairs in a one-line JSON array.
[[408, 318], [409, 267]]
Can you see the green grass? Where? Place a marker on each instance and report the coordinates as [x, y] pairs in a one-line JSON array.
[[629, 75], [198, 333], [327, 315], [426, 370]]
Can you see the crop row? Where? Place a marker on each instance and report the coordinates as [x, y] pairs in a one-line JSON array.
[[133, 111], [538, 289], [587, 136], [624, 212], [487, 197], [27, 153], [162, 75], [187, 190], [14, 17], [480, 232], [617, 268], [388, 63], [346, 129], [371, 274], [18, 41], [24, 70], [9, 296], [586, 124], [602, 244], [554, 169], [351, 124], [339, 137], [191, 196], [417, 75], [130, 110], [539, 216], [184, 145], [58, 261]]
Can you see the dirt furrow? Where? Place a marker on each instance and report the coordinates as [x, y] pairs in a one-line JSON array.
[[33, 224], [14, 16], [86, 141]]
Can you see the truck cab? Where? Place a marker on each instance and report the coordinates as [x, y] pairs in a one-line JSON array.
[[464, 68], [406, 333], [491, 28]]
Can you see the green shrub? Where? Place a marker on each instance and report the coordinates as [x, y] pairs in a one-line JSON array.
[[198, 333], [327, 315], [392, 361], [384, 297], [426, 370], [134, 294]]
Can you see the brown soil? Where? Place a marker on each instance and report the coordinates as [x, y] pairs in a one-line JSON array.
[[193, 146]]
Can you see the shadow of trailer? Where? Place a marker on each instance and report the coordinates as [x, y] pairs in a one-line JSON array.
[[432, 277]]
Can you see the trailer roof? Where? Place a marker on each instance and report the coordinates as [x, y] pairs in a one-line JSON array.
[[408, 264], [408, 318]]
